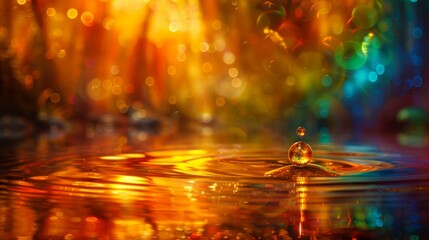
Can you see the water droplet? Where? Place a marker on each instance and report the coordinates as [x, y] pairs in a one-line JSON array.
[[300, 131], [300, 154]]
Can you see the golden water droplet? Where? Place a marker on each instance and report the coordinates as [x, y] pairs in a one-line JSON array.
[[300, 154], [300, 132]]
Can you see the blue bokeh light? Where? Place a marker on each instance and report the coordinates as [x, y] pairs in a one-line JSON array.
[[372, 76], [417, 60], [380, 69], [417, 32], [417, 81]]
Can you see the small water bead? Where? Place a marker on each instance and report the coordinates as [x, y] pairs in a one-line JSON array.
[[300, 154], [300, 132]]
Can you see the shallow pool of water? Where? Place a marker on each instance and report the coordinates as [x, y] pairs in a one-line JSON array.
[[95, 190]]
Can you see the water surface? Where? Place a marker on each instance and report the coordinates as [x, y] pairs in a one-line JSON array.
[[93, 190]]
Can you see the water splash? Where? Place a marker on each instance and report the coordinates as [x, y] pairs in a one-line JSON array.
[[300, 155]]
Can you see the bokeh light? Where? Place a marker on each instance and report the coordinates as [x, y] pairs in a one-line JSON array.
[[233, 63], [72, 13]]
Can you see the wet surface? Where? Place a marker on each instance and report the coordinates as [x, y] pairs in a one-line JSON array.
[[220, 191]]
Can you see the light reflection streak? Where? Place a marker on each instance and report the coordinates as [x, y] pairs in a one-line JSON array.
[[172, 153], [301, 190]]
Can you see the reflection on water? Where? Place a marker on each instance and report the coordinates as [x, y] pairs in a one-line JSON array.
[[141, 192]]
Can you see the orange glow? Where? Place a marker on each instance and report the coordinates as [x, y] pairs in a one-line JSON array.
[[123, 156], [91, 219], [177, 153], [114, 158], [220, 101], [132, 155], [132, 228], [87, 18], [50, 12], [72, 13]]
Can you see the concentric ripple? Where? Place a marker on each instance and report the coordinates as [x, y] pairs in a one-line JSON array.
[[91, 172], [182, 191]]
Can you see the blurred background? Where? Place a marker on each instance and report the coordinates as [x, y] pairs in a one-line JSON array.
[[341, 69]]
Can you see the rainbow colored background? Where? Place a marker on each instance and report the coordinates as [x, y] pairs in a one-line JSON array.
[[339, 68]]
